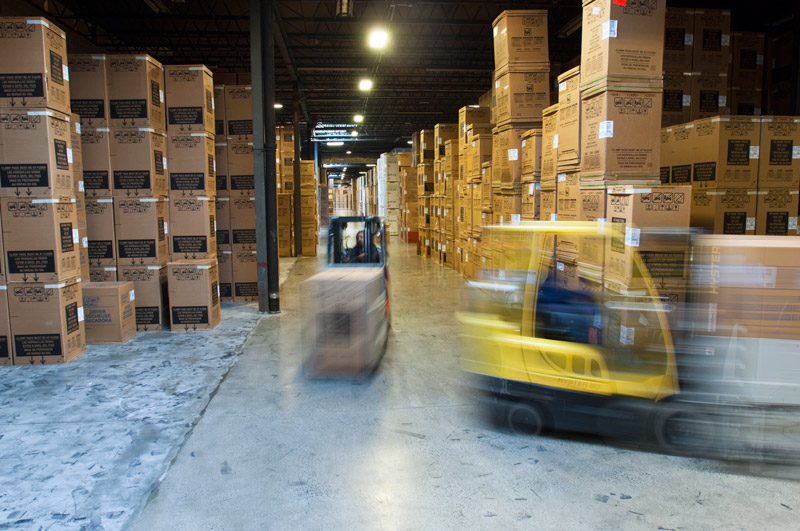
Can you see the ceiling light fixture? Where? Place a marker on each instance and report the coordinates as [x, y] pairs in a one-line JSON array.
[[378, 38], [344, 8], [410, 142], [349, 152], [365, 84], [334, 144], [358, 118], [353, 133], [278, 105]]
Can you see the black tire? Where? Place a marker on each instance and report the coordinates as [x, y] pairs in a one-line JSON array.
[[685, 432], [525, 418]]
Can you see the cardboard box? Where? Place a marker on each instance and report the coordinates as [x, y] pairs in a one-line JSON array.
[[239, 111], [33, 65], [547, 205], [138, 162], [725, 210], [481, 151], [219, 113], [244, 273], [308, 209], [630, 212], [190, 98], [40, 239], [745, 102], [6, 357], [776, 212], [726, 152], [47, 324], [709, 94], [466, 117], [100, 232], [507, 154], [225, 267], [35, 154], [677, 108], [89, 89], [779, 161], [620, 133], [531, 147], [427, 145], [521, 93], [193, 227], [591, 249], [568, 196], [141, 229], [193, 295], [569, 117], [243, 221], [678, 39], [712, 40], [441, 134], [221, 169], [530, 201], [135, 92], [308, 241], [192, 164], [681, 154], [241, 177], [285, 247], [622, 43], [747, 60], [150, 288], [550, 142], [109, 309], [308, 175], [520, 36], [223, 208], [96, 147], [102, 274]]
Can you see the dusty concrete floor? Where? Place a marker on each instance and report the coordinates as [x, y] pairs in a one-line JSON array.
[[409, 448]]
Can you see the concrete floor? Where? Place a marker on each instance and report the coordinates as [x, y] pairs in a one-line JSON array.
[[410, 449]]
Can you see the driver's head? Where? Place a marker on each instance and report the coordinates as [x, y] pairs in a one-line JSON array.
[[360, 236]]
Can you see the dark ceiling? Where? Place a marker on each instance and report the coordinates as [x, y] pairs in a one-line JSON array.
[[440, 56]]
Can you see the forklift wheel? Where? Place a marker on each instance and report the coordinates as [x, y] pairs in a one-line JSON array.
[[525, 419], [685, 432]]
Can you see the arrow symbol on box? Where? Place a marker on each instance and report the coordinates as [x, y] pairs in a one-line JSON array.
[[141, 261], [186, 327], [13, 102], [144, 328], [17, 192], [28, 191], [24, 103], [35, 277], [25, 277], [194, 327]]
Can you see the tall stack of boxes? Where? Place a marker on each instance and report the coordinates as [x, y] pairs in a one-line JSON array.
[[308, 209], [410, 198], [41, 306], [446, 166]]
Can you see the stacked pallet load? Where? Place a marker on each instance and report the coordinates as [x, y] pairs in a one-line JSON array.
[[409, 197], [445, 167]]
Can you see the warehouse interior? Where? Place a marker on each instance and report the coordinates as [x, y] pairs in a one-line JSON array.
[[172, 296]]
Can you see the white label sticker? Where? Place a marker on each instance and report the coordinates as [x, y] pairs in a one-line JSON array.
[[513, 154], [688, 39], [80, 186], [132, 295], [753, 152], [554, 217], [687, 100], [69, 155], [562, 177], [65, 72], [632, 236], [793, 223], [166, 228], [530, 189], [525, 142], [215, 165], [76, 237], [562, 86], [750, 224], [609, 30], [598, 320], [164, 160], [213, 103], [494, 32], [497, 84], [606, 129], [466, 257], [595, 10], [723, 101], [78, 127], [725, 40], [796, 152], [560, 266], [85, 242], [626, 335], [161, 95], [80, 314], [516, 218], [218, 292], [555, 141]]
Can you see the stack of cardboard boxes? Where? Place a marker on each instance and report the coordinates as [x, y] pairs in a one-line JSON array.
[[409, 198], [41, 307], [446, 167]]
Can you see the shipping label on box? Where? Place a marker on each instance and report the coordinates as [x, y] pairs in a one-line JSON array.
[[109, 311], [192, 164], [141, 230], [47, 322], [33, 65], [36, 154], [139, 163], [193, 295], [193, 227], [100, 232], [150, 289], [190, 98], [135, 92], [89, 89]]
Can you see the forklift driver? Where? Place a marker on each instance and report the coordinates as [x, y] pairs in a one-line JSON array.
[[356, 254]]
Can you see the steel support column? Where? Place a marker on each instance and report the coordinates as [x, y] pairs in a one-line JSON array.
[[298, 218]]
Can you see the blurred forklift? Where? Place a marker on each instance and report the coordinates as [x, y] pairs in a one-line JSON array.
[[692, 345], [346, 305]]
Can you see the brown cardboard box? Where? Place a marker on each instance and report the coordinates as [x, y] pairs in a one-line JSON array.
[[725, 210], [776, 212], [141, 229], [677, 107], [221, 169], [223, 208], [547, 205], [712, 40], [549, 142], [466, 117], [682, 156], [110, 313], [138, 162], [569, 117], [225, 266], [530, 201], [482, 152], [102, 274], [219, 113], [620, 133], [96, 147], [285, 247], [308, 175], [441, 134], [40, 239], [193, 295], [630, 211], [521, 93], [622, 43], [135, 92], [308, 241], [46, 322], [726, 152], [285, 208], [747, 60], [6, 358], [89, 89], [678, 39], [190, 98], [427, 145], [709, 94], [243, 221], [568, 196], [567, 274], [100, 232], [35, 154], [591, 249], [244, 272], [779, 161], [193, 227], [33, 65], [745, 102], [520, 36], [192, 166], [241, 180], [531, 146], [239, 111], [150, 288], [308, 209], [506, 154]]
